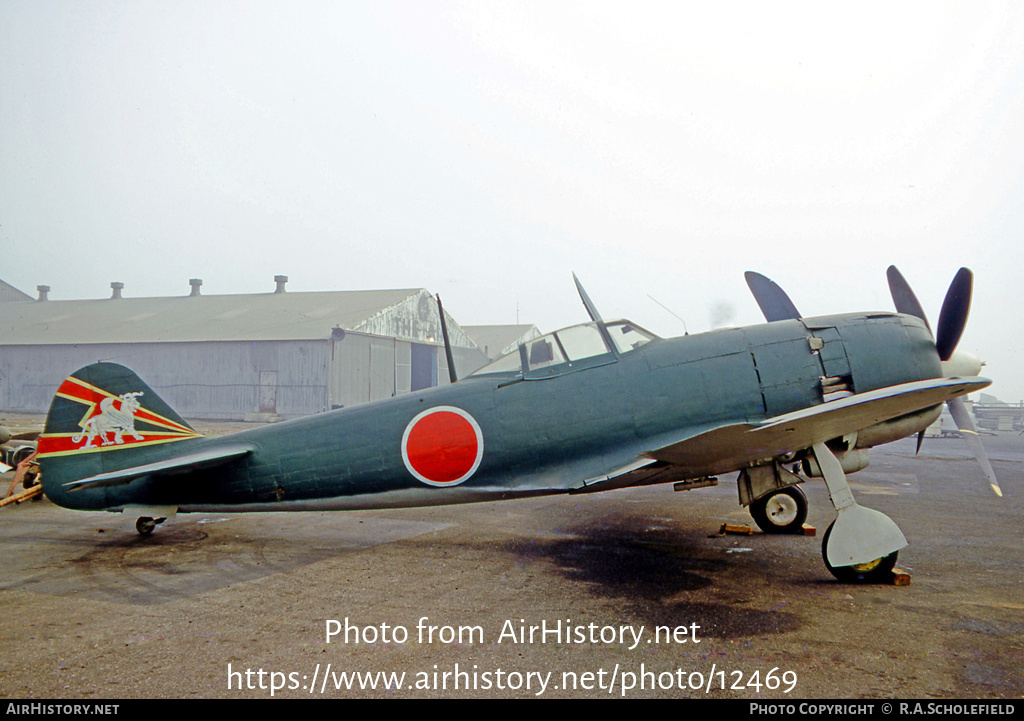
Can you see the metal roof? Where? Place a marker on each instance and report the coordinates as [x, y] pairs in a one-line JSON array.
[[8, 293], [250, 317]]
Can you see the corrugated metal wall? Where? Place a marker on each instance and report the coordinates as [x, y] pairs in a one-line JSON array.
[[199, 380], [367, 368], [235, 379]]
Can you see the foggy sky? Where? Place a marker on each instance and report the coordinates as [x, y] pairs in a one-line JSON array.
[[486, 151]]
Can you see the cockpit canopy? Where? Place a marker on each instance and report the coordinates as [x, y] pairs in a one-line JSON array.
[[577, 346]]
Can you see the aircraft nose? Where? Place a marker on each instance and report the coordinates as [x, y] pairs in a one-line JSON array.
[[961, 365]]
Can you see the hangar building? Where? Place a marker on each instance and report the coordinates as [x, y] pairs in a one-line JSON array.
[[260, 356], [9, 292], [497, 340]]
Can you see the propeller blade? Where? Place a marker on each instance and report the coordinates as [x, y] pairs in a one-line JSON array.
[[955, 309], [772, 299], [963, 420], [903, 297]]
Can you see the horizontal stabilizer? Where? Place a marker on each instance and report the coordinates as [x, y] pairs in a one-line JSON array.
[[208, 458]]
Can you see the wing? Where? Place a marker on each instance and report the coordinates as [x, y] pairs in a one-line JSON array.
[[731, 447]]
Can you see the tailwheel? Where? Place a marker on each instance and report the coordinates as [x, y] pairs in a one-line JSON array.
[[145, 525], [783, 511], [877, 571]]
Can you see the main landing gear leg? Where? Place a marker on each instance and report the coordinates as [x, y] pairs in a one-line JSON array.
[[861, 544]]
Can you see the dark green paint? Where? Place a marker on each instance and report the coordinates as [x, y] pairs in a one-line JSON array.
[[543, 433]]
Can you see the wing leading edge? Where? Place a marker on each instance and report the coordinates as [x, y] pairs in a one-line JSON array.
[[730, 447]]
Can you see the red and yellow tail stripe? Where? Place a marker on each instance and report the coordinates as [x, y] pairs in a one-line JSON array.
[[75, 389]]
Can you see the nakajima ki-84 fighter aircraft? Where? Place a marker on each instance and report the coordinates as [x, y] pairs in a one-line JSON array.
[[593, 407]]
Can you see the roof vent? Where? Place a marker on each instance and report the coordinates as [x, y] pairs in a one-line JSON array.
[[43, 290], [280, 280], [116, 286], [196, 283]]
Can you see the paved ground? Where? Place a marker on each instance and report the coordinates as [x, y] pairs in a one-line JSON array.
[[91, 610]]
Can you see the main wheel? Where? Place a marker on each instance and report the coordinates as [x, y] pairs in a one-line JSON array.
[[877, 571], [145, 525], [783, 511]]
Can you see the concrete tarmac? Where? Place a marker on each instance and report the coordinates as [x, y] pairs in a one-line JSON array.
[[621, 594]]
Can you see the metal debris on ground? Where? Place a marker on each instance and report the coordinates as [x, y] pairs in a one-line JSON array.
[[33, 492], [27, 474]]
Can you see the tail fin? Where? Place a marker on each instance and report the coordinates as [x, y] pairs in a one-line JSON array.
[[103, 418]]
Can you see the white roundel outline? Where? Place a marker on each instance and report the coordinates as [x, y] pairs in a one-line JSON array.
[[479, 446]]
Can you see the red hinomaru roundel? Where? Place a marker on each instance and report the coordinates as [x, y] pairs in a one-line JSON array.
[[442, 446]]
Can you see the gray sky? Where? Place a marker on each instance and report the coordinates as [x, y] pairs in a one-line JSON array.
[[487, 150]]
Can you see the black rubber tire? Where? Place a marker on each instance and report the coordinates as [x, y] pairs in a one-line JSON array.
[[877, 571], [783, 511]]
